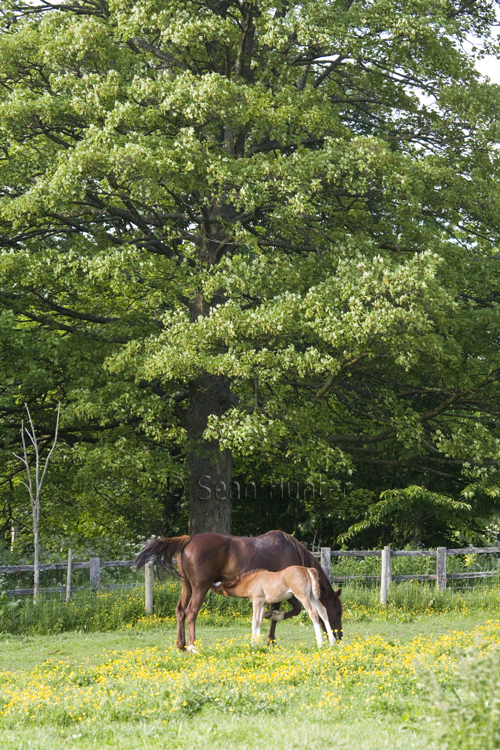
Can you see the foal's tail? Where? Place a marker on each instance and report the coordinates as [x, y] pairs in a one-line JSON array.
[[161, 552], [316, 588]]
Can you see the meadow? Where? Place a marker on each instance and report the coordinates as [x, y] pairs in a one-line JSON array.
[[420, 673]]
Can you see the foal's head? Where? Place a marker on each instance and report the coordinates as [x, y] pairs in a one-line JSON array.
[[219, 587], [236, 587]]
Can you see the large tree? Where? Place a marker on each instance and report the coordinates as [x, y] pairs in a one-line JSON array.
[[258, 230]]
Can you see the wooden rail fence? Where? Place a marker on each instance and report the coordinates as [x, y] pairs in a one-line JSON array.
[[325, 554], [386, 578], [94, 566]]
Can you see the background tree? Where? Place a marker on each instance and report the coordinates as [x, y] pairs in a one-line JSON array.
[[36, 469], [257, 232]]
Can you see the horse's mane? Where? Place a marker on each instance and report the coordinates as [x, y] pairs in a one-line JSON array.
[[307, 560], [232, 584]]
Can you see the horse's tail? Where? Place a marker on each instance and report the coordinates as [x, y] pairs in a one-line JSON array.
[[161, 552], [316, 588], [307, 560]]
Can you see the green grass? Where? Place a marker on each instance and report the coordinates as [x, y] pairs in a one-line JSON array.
[[198, 733], [112, 610], [414, 598], [25, 652], [238, 719], [109, 610], [98, 673]]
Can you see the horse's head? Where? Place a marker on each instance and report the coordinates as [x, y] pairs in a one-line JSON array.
[[334, 609]]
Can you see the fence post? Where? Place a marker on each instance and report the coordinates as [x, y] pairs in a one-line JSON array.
[[148, 587], [386, 561], [326, 561], [385, 574], [441, 568], [95, 572], [389, 568], [68, 576]]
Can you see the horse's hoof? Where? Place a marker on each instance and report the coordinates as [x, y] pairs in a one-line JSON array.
[[192, 650], [267, 614], [277, 616]]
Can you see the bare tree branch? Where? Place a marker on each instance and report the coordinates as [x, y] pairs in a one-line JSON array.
[[34, 489]]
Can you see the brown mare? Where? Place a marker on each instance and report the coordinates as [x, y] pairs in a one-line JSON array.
[[263, 587], [204, 559]]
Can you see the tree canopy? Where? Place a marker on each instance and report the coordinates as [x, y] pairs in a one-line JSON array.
[[252, 238]]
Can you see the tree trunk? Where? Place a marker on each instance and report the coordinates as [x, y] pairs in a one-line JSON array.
[[418, 525], [36, 561], [210, 468]]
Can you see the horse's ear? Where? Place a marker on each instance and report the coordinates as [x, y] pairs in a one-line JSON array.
[[338, 593]]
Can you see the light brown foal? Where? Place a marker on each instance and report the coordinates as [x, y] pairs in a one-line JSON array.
[[263, 587]]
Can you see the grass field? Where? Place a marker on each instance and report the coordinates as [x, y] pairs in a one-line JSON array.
[[382, 687]]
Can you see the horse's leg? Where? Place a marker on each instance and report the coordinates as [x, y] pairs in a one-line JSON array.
[[296, 608], [276, 616], [271, 638], [197, 597], [324, 616], [180, 612], [313, 614], [279, 616], [257, 617]]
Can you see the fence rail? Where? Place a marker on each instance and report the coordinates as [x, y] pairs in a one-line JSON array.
[[325, 554], [64, 589], [94, 566], [441, 577], [408, 553], [63, 566]]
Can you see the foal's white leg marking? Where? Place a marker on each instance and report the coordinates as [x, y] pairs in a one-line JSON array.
[[311, 611], [324, 616], [192, 650], [317, 630], [258, 616]]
